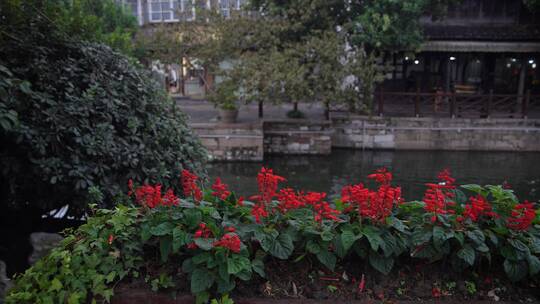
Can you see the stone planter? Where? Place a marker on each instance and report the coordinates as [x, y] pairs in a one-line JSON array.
[[228, 116]]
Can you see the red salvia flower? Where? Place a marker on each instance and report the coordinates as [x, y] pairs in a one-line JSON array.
[[268, 184], [438, 197], [477, 207], [289, 200], [446, 179], [381, 176], [149, 196], [189, 185], [375, 205], [110, 239], [258, 211], [221, 190], [130, 187], [522, 216], [169, 199], [203, 232], [230, 241], [322, 209], [240, 201]]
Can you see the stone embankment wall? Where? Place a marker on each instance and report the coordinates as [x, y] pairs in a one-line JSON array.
[[249, 142], [298, 136], [436, 134], [231, 142]]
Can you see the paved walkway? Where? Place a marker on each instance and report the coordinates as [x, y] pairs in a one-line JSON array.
[[200, 111]]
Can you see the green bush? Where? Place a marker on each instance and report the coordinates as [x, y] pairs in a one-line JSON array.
[[76, 115], [220, 240]]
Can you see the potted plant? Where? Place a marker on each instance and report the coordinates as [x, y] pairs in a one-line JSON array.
[[224, 97]]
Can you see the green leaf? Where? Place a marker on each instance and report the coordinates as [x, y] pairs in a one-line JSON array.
[[373, 236], [201, 280], [225, 286], [467, 254], [55, 285], [515, 270], [258, 266], [439, 236], [380, 263], [397, 224], [519, 245], [236, 264], [165, 246], [476, 236], [348, 238], [180, 238], [280, 247], [328, 259], [162, 229], [421, 236], [313, 247], [327, 235], [534, 265], [204, 244]]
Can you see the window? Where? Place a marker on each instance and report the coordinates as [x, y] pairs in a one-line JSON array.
[[163, 10], [224, 8], [129, 5], [188, 8]]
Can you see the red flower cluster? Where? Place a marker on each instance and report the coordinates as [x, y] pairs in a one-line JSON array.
[[375, 205], [322, 208], [381, 176], [289, 200], [522, 216], [268, 184], [203, 232], [230, 241], [438, 197], [189, 185], [221, 190], [446, 179], [477, 207], [150, 196], [259, 211]]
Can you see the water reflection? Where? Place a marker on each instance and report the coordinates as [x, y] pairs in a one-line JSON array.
[[412, 169]]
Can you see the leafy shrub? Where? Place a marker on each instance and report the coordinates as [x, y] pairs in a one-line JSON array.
[[86, 116], [220, 239]]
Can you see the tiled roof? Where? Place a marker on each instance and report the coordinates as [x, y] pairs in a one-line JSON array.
[[483, 33]]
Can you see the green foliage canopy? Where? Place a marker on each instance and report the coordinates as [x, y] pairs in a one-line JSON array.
[[76, 115]]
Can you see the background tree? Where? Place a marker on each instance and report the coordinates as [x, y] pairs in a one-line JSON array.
[[86, 118]]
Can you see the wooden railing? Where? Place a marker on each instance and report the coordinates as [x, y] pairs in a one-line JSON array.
[[440, 104]]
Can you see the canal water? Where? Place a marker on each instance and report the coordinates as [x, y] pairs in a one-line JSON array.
[[411, 169]]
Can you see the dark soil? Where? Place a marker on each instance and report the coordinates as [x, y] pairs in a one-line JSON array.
[[307, 282]]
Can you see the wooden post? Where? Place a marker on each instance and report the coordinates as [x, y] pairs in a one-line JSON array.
[[417, 103], [381, 102], [525, 106], [453, 106], [489, 102], [261, 109], [521, 82], [327, 110]]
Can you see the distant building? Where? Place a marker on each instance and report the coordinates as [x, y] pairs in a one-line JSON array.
[[481, 45]]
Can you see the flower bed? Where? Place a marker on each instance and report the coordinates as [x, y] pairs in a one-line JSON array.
[[283, 242]]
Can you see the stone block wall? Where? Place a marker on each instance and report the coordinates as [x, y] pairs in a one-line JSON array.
[[231, 142], [297, 136], [436, 133]]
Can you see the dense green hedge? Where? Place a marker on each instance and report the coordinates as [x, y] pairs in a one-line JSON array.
[[220, 239], [77, 115]]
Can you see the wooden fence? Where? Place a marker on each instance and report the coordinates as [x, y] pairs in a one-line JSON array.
[[440, 104]]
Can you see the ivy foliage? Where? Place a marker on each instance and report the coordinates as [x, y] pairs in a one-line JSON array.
[[76, 115]]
